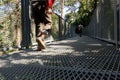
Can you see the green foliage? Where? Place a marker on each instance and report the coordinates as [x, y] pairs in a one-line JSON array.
[[55, 26], [69, 18], [67, 3], [85, 12], [1, 77], [1, 27], [10, 19], [86, 9], [70, 2], [4, 2]]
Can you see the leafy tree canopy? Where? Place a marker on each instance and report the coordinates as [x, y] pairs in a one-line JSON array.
[[85, 12]]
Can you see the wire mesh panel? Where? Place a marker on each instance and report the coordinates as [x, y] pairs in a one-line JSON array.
[[64, 28], [101, 65], [102, 22]]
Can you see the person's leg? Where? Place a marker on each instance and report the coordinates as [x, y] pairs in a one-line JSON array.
[[38, 14], [80, 34], [40, 35], [40, 39], [43, 31]]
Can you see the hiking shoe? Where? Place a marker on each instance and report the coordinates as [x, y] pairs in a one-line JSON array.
[[41, 43], [39, 49]]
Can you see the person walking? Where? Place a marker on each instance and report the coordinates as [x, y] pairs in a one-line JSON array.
[[41, 12], [79, 30]]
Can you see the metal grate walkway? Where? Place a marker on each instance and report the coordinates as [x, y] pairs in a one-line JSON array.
[[93, 61]]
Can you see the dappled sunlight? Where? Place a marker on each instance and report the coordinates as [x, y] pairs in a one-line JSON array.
[[60, 53], [27, 61], [94, 44], [60, 46], [4, 63], [65, 41], [89, 51]]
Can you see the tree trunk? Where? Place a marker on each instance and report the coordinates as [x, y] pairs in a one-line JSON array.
[[62, 15], [62, 8]]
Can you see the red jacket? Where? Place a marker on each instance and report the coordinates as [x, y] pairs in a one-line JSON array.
[[50, 3], [49, 6]]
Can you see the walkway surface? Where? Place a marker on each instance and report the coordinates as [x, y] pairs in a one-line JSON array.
[[78, 58]]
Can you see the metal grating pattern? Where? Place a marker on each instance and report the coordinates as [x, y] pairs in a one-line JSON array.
[[72, 59], [104, 65]]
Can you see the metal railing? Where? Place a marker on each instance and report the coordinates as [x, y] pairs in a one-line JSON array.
[[65, 29], [105, 22]]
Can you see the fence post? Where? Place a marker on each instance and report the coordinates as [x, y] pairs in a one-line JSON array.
[[119, 19], [115, 25], [59, 25], [26, 28]]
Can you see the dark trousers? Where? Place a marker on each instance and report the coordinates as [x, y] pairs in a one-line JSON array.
[[42, 19]]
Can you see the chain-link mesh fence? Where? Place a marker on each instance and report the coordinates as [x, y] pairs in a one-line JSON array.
[[65, 29], [103, 21]]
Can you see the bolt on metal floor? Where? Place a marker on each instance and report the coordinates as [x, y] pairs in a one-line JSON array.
[[91, 63]]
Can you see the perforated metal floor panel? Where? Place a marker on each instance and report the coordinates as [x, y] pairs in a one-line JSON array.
[[102, 65], [72, 59]]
